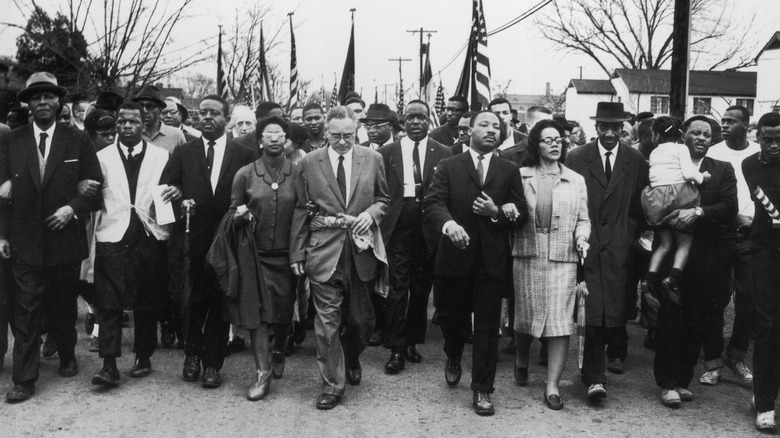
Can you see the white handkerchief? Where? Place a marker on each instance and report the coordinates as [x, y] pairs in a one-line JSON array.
[[163, 210]]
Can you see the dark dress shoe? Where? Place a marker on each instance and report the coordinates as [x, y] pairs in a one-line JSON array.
[[237, 344], [89, 323], [482, 403], [68, 368], [191, 370], [327, 401], [412, 355], [277, 364], [615, 366], [670, 288], [107, 376], [376, 339], [452, 370], [49, 346], [395, 364], [553, 401], [521, 376], [167, 336], [141, 368], [211, 378], [20, 392], [354, 375]]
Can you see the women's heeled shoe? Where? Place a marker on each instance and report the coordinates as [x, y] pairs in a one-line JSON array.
[[260, 388]]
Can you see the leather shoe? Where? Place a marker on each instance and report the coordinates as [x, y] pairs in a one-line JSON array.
[[20, 392], [395, 364], [68, 368], [260, 388], [615, 366], [191, 369], [376, 338], [94, 344], [211, 378], [49, 346], [482, 403], [354, 375], [108, 376], [141, 368], [553, 401], [412, 355], [521, 376], [167, 336], [452, 370], [327, 401], [277, 364]]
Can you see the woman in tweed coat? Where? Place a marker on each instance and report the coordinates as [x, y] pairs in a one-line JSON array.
[[546, 251]]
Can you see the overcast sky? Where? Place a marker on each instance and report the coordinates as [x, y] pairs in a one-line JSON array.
[[518, 54]]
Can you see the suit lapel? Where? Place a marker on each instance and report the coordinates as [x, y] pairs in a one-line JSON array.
[[430, 158], [396, 156], [229, 150], [57, 149], [326, 168], [31, 156], [596, 167], [619, 170], [200, 155], [468, 165], [357, 168], [492, 169]]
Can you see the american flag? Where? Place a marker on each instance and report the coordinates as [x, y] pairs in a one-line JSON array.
[[293, 70], [438, 106], [334, 97], [263, 83], [480, 58], [304, 95], [221, 81]]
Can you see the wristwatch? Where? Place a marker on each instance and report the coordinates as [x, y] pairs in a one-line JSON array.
[[698, 211]]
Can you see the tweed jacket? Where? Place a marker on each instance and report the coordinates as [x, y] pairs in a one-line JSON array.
[[569, 216]]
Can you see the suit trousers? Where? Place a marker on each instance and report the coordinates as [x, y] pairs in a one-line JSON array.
[[6, 305], [411, 268], [766, 353], [34, 285], [455, 299], [596, 340], [343, 322], [744, 308], [207, 332]]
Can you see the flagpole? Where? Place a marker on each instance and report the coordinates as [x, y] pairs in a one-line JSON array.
[[294, 100]]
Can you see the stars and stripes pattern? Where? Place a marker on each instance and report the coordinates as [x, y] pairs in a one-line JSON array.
[[400, 106], [263, 84], [334, 96], [480, 60], [221, 79], [293, 70], [437, 109]]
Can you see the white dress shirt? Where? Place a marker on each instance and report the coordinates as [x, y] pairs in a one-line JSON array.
[[407, 154], [49, 132], [334, 162], [603, 154], [219, 154], [137, 149]]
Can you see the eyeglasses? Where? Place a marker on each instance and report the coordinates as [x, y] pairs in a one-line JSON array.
[[273, 135], [172, 112], [549, 140], [338, 137], [375, 125]]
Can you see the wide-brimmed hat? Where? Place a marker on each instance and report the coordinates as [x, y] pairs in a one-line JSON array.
[[182, 110], [610, 112], [150, 92], [108, 100], [40, 82], [379, 112]]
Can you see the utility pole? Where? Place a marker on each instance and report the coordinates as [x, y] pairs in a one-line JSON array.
[[421, 31], [678, 94], [400, 73], [580, 72]]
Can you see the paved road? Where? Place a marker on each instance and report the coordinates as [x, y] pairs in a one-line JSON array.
[[415, 403]]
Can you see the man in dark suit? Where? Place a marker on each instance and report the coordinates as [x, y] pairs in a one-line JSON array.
[[347, 185], [409, 167], [447, 133], [503, 109], [615, 175], [378, 122], [463, 203], [45, 163], [201, 172], [462, 143], [683, 327]]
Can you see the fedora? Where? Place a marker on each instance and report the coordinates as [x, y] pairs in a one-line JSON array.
[[182, 110], [40, 82], [379, 112], [150, 92], [610, 112], [108, 100]]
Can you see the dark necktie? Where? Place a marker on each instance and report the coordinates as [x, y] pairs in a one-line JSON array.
[[416, 171], [480, 169], [130, 153], [341, 178], [607, 166], [42, 144], [210, 156]]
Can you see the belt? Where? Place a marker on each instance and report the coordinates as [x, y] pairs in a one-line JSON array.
[[411, 199]]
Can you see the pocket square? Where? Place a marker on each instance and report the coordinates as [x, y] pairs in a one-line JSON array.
[[75, 160]]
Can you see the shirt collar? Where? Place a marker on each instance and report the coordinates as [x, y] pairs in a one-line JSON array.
[[136, 147], [603, 150], [38, 131], [475, 155], [221, 142], [410, 143], [334, 156]]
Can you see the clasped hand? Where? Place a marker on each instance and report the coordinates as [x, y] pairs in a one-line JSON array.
[[484, 206]]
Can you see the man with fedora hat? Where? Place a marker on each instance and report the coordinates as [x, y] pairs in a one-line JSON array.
[[379, 121], [175, 114], [155, 131], [109, 101], [615, 175], [45, 162]]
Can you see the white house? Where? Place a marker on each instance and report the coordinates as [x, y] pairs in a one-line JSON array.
[[767, 83]]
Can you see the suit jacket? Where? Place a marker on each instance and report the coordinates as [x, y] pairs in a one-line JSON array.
[[517, 153], [394, 172], [569, 216], [615, 211], [442, 135], [71, 159], [186, 169], [719, 202], [457, 148], [454, 188], [320, 249]]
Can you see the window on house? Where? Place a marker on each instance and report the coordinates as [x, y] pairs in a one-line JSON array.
[[747, 103], [659, 104], [702, 105]]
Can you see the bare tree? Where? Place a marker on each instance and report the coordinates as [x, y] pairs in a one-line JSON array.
[[129, 42], [555, 102], [198, 85], [637, 34]]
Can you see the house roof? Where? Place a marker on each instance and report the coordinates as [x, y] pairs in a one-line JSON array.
[[592, 86], [773, 43], [713, 83]]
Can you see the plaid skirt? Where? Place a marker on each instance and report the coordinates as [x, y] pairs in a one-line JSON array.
[[657, 202]]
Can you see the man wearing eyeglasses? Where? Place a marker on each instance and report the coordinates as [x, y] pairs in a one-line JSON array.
[[155, 131], [378, 122], [348, 189], [175, 114], [462, 144], [447, 134], [201, 172]]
